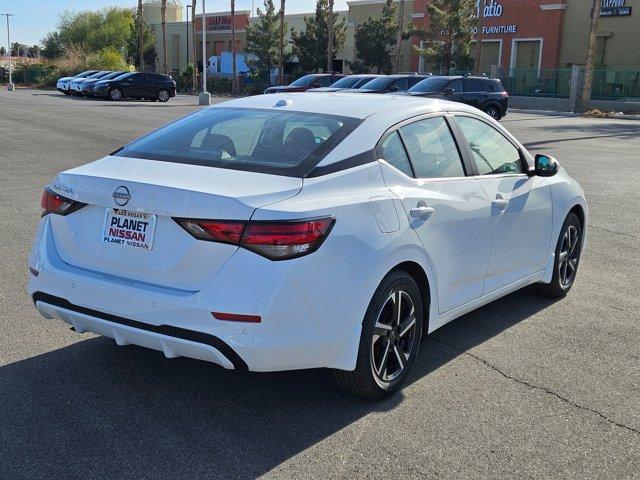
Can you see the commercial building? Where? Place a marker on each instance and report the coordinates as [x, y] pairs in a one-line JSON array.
[[515, 34]]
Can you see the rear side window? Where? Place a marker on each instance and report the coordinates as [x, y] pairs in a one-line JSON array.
[[266, 141], [492, 152], [471, 85], [392, 150], [402, 83], [456, 85], [432, 149], [324, 81]]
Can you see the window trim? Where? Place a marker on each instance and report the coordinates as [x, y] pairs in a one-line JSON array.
[[465, 143], [467, 165]]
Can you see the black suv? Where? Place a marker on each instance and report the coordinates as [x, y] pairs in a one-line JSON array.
[[151, 86], [484, 93]]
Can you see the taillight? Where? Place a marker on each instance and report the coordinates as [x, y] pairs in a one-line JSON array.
[[51, 202], [278, 240]]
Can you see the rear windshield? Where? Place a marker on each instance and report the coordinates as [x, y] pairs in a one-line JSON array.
[[266, 141], [303, 81], [346, 82]]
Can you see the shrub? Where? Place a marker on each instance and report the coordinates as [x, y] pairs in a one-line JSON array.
[[107, 58], [219, 85]]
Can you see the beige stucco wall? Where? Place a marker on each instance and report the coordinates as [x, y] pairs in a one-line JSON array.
[[622, 45], [152, 13]]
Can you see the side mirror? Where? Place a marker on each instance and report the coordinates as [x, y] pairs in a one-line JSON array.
[[545, 166], [393, 88], [448, 91]]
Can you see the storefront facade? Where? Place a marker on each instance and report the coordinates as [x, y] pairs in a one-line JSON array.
[[515, 34]]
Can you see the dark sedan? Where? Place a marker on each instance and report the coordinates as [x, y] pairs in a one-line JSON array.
[[88, 84], [315, 80], [391, 84], [150, 86]]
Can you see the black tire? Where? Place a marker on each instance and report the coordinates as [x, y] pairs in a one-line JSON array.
[[115, 94], [371, 378], [493, 111], [565, 266], [163, 95], [66, 92]]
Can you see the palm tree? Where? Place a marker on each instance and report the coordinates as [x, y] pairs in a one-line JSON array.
[[234, 80], [281, 45], [163, 12], [195, 39], [399, 39], [140, 37]]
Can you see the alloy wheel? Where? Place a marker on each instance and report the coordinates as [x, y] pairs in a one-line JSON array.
[[115, 94], [568, 257], [393, 337], [163, 96], [493, 112]]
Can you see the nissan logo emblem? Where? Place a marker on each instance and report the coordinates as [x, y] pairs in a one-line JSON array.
[[121, 196]]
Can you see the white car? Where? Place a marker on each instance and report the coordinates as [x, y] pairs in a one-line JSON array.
[[296, 231]]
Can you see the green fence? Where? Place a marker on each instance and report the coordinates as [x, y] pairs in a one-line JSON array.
[[615, 84], [556, 82]]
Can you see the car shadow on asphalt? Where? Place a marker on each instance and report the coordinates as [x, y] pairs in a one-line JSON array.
[[93, 409]]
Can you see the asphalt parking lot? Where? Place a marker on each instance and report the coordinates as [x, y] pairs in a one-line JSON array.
[[522, 388]]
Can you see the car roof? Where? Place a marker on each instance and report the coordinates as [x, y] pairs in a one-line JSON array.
[[344, 103]]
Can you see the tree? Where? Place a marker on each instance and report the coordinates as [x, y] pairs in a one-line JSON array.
[[585, 95], [148, 41], [95, 30], [140, 31], [263, 42], [374, 38], [34, 51], [399, 36], [107, 58], [52, 46], [163, 13], [3, 51], [310, 46], [449, 35], [234, 79], [281, 45]]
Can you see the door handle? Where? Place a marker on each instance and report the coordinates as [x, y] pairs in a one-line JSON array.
[[422, 211], [500, 203]]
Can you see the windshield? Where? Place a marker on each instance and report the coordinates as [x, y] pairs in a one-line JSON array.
[[303, 81], [379, 83], [346, 82], [364, 81], [266, 141], [123, 76], [429, 85], [112, 75], [97, 75]]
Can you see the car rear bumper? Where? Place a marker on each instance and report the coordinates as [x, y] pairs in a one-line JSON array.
[[297, 329]]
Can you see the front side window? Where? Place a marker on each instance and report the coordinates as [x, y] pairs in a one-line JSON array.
[[402, 83], [346, 82], [303, 81], [266, 141], [456, 85], [392, 150], [492, 152], [380, 83], [432, 149], [429, 85]]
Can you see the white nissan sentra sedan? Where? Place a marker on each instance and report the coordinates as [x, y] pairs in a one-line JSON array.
[[296, 231]]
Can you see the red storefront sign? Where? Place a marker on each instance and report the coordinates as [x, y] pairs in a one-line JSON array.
[[222, 22], [510, 22]]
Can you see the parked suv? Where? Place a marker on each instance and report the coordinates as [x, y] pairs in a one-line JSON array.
[[87, 86], [62, 85], [151, 86], [486, 94], [350, 82], [303, 84]]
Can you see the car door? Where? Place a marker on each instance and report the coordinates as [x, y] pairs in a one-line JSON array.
[[473, 92], [521, 216], [139, 85], [456, 94], [128, 85], [446, 208]]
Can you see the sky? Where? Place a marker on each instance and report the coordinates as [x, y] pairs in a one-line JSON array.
[[34, 18]]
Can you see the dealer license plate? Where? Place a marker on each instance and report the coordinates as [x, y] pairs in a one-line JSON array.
[[129, 229]]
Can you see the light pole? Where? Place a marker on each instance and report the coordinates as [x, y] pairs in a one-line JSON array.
[[205, 97], [188, 7], [10, 85]]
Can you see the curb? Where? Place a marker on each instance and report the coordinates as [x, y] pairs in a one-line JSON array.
[[553, 113]]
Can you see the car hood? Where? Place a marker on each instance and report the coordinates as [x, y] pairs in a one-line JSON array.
[[286, 88], [361, 90], [424, 94], [327, 89]]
